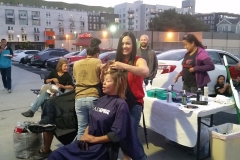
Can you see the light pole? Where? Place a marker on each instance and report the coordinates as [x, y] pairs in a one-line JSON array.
[[18, 41], [153, 13], [67, 41], [113, 30]]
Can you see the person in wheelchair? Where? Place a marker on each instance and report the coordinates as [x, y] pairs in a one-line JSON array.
[[110, 126], [59, 77]]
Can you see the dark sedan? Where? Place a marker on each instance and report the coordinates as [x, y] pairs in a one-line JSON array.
[[41, 58], [52, 62]]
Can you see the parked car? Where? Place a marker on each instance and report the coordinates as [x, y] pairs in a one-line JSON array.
[[158, 52], [104, 57], [170, 64], [52, 62], [83, 55], [19, 56], [41, 58]]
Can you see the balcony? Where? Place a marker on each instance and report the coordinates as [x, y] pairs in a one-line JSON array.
[[10, 32], [130, 28], [9, 15], [35, 17], [82, 19], [60, 18], [72, 19], [130, 11], [50, 41], [23, 31], [130, 17], [130, 23], [60, 25], [36, 32], [23, 16], [72, 25]]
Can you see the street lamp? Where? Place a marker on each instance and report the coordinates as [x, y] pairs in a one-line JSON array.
[[67, 40], [18, 41], [113, 29], [75, 33], [104, 33]]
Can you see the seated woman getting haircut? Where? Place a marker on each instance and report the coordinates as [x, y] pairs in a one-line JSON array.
[[109, 127], [59, 77]]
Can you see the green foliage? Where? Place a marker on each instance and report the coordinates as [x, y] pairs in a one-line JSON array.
[[26, 45], [170, 20], [60, 5]]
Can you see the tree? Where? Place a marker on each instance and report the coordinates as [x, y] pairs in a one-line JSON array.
[[26, 45], [170, 20]]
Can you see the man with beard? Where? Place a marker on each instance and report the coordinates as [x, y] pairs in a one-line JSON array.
[[149, 55]]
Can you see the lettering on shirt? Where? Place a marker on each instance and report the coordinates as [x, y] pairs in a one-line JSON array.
[[101, 110], [188, 63]]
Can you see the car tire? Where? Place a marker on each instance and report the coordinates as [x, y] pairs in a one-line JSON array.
[[21, 61], [45, 64]]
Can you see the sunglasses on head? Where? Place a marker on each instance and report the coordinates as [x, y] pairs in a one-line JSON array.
[[185, 36]]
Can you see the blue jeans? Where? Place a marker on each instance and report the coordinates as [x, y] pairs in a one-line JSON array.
[[83, 107], [40, 100], [135, 113], [6, 78]]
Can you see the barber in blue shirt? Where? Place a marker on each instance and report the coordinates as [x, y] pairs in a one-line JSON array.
[[6, 54]]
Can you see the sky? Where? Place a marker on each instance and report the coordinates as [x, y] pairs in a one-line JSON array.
[[202, 6]]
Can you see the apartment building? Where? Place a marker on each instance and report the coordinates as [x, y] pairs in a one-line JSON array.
[[212, 19], [101, 21], [40, 26], [136, 16]]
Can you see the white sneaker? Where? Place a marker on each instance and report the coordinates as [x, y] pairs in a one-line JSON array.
[[9, 91], [5, 89]]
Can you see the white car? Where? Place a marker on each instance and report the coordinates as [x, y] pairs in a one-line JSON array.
[[170, 64], [19, 57]]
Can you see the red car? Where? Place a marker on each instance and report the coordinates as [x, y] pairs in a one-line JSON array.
[[83, 55]]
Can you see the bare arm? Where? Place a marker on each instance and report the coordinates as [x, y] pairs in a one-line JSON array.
[[141, 68]]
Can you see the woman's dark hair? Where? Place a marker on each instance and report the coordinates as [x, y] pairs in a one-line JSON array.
[[220, 77], [191, 38], [119, 54], [94, 47]]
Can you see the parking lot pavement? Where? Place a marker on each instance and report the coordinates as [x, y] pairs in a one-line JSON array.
[[33, 69]]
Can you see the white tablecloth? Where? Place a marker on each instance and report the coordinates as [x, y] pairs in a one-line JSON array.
[[177, 125]]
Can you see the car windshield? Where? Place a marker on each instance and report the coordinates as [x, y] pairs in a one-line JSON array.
[[17, 51], [83, 53], [71, 54], [101, 56], [172, 55]]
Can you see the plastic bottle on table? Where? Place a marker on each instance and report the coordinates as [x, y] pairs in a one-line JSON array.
[[184, 98], [199, 94], [149, 86], [205, 93], [169, 97]]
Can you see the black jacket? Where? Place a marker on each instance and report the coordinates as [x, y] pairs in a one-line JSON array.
[[60, 110]]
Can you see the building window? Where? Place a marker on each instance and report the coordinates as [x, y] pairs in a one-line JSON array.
[[24, 37], [10, 37], [23, 22], [48, 22], [10, 28], [9, 16], [36, 22], [36, 37], [48, 15]]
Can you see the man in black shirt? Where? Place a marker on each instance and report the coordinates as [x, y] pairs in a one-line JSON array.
[[223, 89]]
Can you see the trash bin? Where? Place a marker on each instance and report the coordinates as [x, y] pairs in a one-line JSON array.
[[225, 141]]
